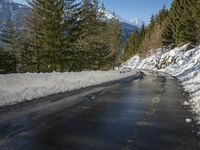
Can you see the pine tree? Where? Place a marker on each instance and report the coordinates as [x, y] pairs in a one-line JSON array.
[[142, 32], [70, 58], [174, 19], [163, 14], [34, 36], [10, 36], [188, 30], [101, 47], [91, 40], [49, 15], [152, 19], [28, 55], [113, 36], [180, 24], [132, 46], [195, 7], [86, 34], [167, 35], [6, 62]]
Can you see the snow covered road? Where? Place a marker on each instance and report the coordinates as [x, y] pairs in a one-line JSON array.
[[145, 113]]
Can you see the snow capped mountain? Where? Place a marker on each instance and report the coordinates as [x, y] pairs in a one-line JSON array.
[[111, 15], [127, 27], [17, 12], [108, 14], [13, 11], [137, 22]]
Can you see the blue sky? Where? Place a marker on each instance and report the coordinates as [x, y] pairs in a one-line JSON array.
[[129, 9]]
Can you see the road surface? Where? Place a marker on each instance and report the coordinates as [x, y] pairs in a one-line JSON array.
[[142, 114]]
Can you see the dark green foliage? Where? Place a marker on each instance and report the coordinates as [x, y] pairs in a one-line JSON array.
[[29, 61], [31, 42], [113, 33], [45, 28], [7, 62], [195, 7], [70, 50], [181, 24], [152, 20], [167, 35], [10, 38], [91, 41], [132, 45], [62, 35]]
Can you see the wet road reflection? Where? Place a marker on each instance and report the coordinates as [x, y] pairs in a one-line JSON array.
[[142, 114]]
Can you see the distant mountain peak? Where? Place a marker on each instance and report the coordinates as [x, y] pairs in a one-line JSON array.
[[111, 15], [127, 27], [137, 22]]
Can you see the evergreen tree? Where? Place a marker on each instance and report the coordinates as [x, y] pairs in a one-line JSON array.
[[70, 53], [142, 32], [195, 7], [6, 62], [152, 19], [10, 36], [28, 55], [163, 14], [102, 52], [50, 30], [113, 37], [87, 33], [182, 22], [33, 37], [132, 46], [188, 30], [180, 26], [91, 40], [167, 35]]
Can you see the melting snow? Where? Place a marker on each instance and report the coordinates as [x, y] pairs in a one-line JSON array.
[[16, 88]]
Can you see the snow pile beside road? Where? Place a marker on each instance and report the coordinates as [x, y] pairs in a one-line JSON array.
[[179, 62], [16, 88]]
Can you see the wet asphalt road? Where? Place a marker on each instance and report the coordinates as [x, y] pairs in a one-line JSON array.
[[143, 114]]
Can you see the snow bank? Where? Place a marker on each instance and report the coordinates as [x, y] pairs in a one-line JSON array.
[[16, 88], [179, 62]]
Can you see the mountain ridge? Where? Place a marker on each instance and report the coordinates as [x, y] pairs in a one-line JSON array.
[[137, 22], [17, 13], [14, 11], [127, 26]]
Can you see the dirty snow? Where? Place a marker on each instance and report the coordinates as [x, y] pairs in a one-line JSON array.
[[16, 88], [179, 62], [198, 134], [185, 103]]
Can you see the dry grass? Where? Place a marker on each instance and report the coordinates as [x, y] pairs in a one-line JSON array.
[[152, 40]]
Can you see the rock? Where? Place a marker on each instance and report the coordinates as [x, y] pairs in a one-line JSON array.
[[198, 134], [188, 120], [185, 103]]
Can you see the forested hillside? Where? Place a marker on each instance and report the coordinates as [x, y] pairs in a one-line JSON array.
[[61, 35], [168, 28]]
